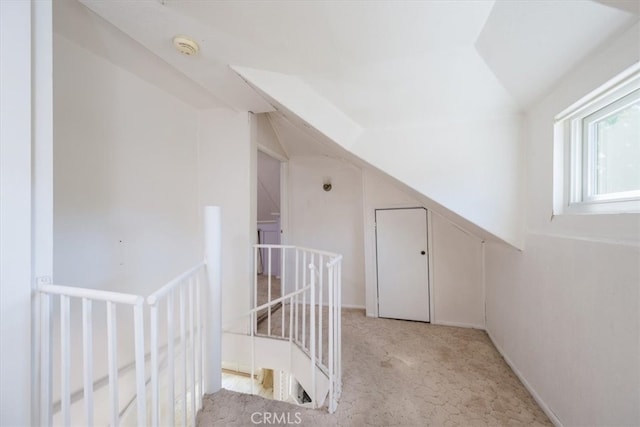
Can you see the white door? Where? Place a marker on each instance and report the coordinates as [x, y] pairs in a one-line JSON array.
[[403, 268]]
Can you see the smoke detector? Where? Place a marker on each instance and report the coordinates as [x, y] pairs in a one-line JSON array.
[[186, 45]]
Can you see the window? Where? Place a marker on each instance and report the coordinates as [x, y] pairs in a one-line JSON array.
[[597, 152]]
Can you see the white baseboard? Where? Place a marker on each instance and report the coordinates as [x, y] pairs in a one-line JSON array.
[[457, 324], [360, 307], [545, 408]]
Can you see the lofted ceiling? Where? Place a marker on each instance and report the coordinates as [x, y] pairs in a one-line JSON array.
[[77, 23], [347, 71], [382, 63], [531, 45]]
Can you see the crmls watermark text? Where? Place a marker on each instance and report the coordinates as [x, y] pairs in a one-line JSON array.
[[276, 418]]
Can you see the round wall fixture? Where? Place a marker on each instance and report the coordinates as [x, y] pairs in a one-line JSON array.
[[186, 45]]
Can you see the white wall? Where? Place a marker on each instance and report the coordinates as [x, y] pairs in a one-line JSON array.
[[565, 312], [333, 221], [458, 288], [126, 211], [126, 198], [330, 221], [456, 258], [15, 213], [227, 165], [42, 171]]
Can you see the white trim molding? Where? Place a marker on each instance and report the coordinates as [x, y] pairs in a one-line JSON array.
[[543, 405], [574, 149]]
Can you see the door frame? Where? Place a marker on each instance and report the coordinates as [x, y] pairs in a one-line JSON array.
[[374, 243]]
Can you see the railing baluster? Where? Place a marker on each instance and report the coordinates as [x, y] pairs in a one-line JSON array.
[[112, 342], [192, 346], [155, 387], [312, 335], [65, 360], [320, 291], [297, 288], [46, 411], [282, 287], [290, 323], [331, 335], [171, 372], [269, 291], [255, 276], [304, 300], [339, 331], [290, 343], [253, 350], [141, 395], [87, 355], [200, 342], [183, 345], [36, 355]]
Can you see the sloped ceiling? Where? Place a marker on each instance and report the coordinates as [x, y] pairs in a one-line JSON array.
[[631, 6], [154, 26], [77, 23], [531, 45], [372, 67], [383, 63]]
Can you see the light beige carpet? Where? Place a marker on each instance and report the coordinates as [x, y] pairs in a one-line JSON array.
[[399, 373]]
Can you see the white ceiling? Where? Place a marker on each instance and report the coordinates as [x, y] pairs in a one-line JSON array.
[[632, 6], [308, 37], [530, 45], [77, 23], [297, 140], [384, 64], [426, 87], [154, 26], [352, 67]]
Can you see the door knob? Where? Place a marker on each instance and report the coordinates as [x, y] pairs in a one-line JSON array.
[[423, 252]]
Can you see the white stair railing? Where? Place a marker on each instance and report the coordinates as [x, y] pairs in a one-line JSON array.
[[188, 290], [183, 304], [187, 349], [310, 296], [88, 297]]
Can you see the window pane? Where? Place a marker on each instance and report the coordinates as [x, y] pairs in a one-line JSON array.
[[617, 151]]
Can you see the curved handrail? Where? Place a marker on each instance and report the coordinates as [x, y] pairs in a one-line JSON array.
[[265, 305]]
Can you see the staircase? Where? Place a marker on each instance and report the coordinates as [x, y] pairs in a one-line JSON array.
[[110, 358], [301, 336]]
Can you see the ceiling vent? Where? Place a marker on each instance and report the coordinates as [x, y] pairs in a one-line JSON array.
[[186, 45]]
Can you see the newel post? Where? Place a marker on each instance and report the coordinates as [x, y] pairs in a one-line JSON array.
[[213, 259]]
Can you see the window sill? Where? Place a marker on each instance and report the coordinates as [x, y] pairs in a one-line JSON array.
[[600, 208]]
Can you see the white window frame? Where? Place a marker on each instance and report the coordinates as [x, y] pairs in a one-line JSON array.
[[573, 167]]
